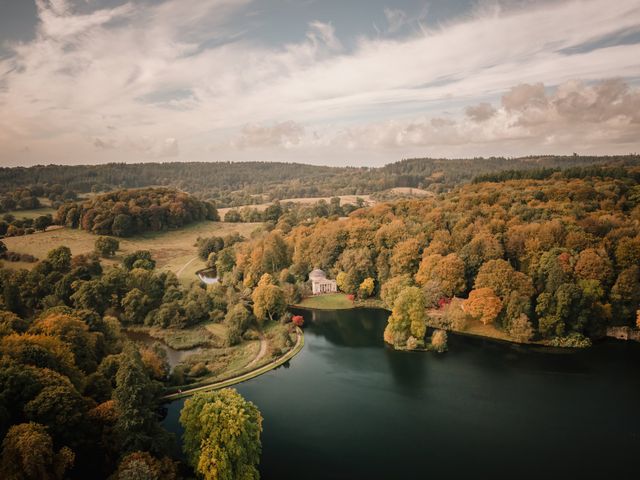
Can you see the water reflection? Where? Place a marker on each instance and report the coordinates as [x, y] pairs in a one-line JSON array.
[[350, 407], [347, 328], [174, 357]]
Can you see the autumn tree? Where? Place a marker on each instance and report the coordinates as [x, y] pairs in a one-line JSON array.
[[501, 277], [222, 435], [142, 465], [406, 257], [483, 304], [520, 329], [407, 319], [28, 454], [447, 271], [392, 288], [268, 300], [594, 265], [366, 288]]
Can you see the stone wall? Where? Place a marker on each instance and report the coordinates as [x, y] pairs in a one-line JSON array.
[[624, 333]]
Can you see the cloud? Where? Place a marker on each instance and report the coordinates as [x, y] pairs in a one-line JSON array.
[[396, 19], [323, 33], [519, 78], [574, 114], [481, 112], [283, 134]]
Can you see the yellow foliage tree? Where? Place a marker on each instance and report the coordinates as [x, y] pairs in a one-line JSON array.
[[366, 288]]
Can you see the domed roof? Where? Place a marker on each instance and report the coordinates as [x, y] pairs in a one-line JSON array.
[[317, 274]]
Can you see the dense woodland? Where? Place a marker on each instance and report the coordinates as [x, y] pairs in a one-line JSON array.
[[555, 259], [128, 212], [243, 183], [78, 400]]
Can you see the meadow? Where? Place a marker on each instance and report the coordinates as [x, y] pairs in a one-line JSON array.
[[173, 250]]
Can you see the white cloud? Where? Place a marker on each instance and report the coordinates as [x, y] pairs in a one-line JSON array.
[[181, 70], [282, 134]]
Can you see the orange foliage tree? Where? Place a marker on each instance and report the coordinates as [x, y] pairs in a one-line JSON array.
[[483, 304]]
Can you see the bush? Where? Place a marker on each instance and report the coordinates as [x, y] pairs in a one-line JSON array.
[[573, 340], [439, 341]]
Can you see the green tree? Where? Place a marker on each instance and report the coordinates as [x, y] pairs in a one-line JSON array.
[[106, 246], [222, 435], [137, 427], [122, 226], [135, 306], [237, 320], [60, 259], [42, 222], [139, 259], [392, 288]]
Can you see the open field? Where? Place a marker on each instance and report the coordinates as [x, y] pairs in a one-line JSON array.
[[332, 301], [417, 192], [33, 213], [173, 250]]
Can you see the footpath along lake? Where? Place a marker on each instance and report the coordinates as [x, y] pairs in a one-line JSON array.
[[348, 407]]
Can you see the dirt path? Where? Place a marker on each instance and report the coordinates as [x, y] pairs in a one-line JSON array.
[[185, 266], [246, 376], [261, 352]]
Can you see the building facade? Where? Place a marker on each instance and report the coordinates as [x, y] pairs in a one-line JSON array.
[[321, 284]]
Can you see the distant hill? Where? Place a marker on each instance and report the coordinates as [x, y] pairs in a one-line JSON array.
[[244, 183]]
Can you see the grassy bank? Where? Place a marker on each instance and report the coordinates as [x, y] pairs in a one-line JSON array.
[[332, 301], [240, 376]]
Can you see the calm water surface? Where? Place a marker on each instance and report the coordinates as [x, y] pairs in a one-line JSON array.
[[347, 407]]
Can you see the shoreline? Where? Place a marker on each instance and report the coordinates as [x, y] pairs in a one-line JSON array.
[[297, 348], [534, 343]]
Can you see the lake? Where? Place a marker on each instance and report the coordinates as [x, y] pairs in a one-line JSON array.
[[348, 407]]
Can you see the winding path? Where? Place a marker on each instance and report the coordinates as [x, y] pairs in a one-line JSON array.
[[245, 376], [261, 352]]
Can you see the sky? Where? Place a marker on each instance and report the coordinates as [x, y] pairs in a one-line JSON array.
[[331, 82]]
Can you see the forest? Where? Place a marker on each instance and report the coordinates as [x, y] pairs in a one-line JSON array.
[[232, 184], [124, 213], [554, 259], [79, 400]]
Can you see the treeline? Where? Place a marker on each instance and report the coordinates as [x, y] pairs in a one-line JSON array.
[[555, 259], [232, 184], [319, 209], [593, 171], [128, 212], [27, 198]]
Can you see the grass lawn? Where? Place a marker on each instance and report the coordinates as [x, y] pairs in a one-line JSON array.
[[33, 213], [331, 301], [173, 250]]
